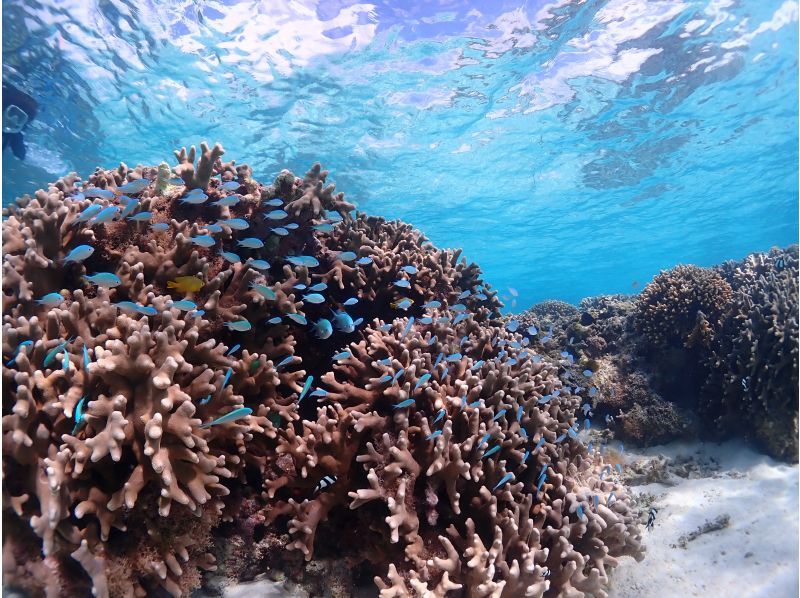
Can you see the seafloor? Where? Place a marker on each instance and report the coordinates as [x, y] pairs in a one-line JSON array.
[[220, 387]]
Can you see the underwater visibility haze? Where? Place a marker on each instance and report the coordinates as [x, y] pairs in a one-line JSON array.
[[390, 299]]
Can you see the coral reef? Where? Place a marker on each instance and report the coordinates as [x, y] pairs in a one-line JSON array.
[[153, 398]]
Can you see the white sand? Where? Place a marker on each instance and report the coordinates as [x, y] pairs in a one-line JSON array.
[[761, 497]]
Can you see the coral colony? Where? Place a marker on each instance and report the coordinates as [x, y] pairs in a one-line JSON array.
[[203, 372]]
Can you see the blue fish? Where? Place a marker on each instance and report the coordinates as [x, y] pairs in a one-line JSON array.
[[491, 451], [520, 410], [351, 301], [364, 261], [51, 300], [342, 355], [230, 185], [572, 433], [175, 181], [454, 357], [439, 359], [258, 264], [320, 286], [264, 291], [596, 502], [587, 373], [432, 305], [357, 322], [160, 227], [458, 307], [539, 444], [545, 399], [203, 240], [402, 283], [485, 438], [475, 404], [432, 340], [319, 392], [543, 472], [463, 402], [130, 205], [88, 213], [239, 325], [476, 365], [384, 379], [460, 318], [280, 231], [147, 310], [104, 279], [499, 415], [465, 294], [285, 361], [229, 417], [134, 187], [275, 320], [433, 435], [235, 223], [299, 286], [560, 438], [504, 480], [251, 243], [512, 326], [323, 328], [386, 361], [51, 355], [325, 227], [526, 455], [404, 304], [105, 215], [426, 320], [274, 202], [101, 193], [80, 253], [385, 327], [77, 196], [524, 433], [423, 379], [277, 215], [342, 321], [347, 256], [407, 327], [409, 269], [397, 375], [213, 228], [227, 378], [299, 318], [303, 260], [541, 483], [592, 391], [314, 298], [141, 217], [619, 468], [194, 199], [86, 360], [306, 386], [233, 349], [589, 448], [65, 360], [403, 404], [230, 256], [480, 296], [229, 200], [206, 400], [79, 415], [184, 305]]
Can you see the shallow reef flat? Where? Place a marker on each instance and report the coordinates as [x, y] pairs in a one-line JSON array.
[[210, 382]]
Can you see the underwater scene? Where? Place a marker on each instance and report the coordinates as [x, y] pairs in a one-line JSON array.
[[459, 298]]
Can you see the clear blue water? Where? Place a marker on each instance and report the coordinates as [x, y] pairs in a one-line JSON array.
[[570, 148]]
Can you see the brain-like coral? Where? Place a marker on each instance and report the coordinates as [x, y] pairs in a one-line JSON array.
[[154, 329]]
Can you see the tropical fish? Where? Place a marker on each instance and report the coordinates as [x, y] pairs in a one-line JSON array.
[[512, 326], [465, 294], [280, 231], [230, 185], [364, 261], [235, 223], [274, 202], [213, 228], [524, 433], [206, 400], [299, 286], [358, 322], [560, 438], [251, 243], [491, 451], [258, 264], [539, 444], [51, 355], [423, 379], [239, 325], [320, 286], [175, 181], [80, 253], [319, 392], [230, 256], [342, 355], [306, 386], [323, 328], [476, 365], [499, 415], [475, 403], [541, 482], [229, 417], [433, 435], [385, 327], [141, 217], [520, 411], [105, 215], [130, 205], [88, 213], [160, 227], [403, 404], [79, 415], [194, 199], [432, 305], [325, 227], [77, 196], [504, 480], [384, 378], [184, 305], [303, 260], [439, 359], [592, 391], [397, 375], [532, 330], [458, 307], [351, 301], [402, 283], [325, 482], [386, 361], [51, 300], [526, 455], [228, 200], [277, 215], [264, 291], [227, 378], [619, 468], [426, 320], [314, 298], [203, 240], [284, 361], [403, 304], [454, 357], [587, 373], [101, 193], [407, 327], [586, 408], [347, 256], [342, 321], [186, 284], [146, 310], [134, 187], [275, 320], [485, 438], [460, 318], [480, 296], [572, 433], [409, 269], [65, 360], [299, 318]]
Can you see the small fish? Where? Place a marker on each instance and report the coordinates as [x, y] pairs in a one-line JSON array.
[[438, 359], [323, 328], [80, 253], [235, 223], [203, 240], [454, 357], [458, 307], [587, 373], [160, 227], [175, 181], [560, 438], [407, 327], [213, 228], [475, 403], [264, 291], [520, 411], [465, 294], [134, 187], [104, 279], [386, 361], [342, 355], [596, 502], [86, 360], [186, 284], [385, 327], [404, 404], [589, 448], [539, 444], [299, 286], [423, 379], [65, 360], [409, 270], [320, 286], [227, 378], [228, 200], [51, 355], [314, 298], [275, 320], [621, 448], [402, 283], [432, 305], [426, 320], [592, 391], [306, 386], [105, 215], [319, 392], [184, 305], [433, 435], [439, 416], [343, 322], [88, 213], [524, 433], [326, 482], [79, 415], [572, 433], [499, 415], [504, 480], [491, 451], [280, 231], [325, 227], [274, 202], [476, 365], [230, 256], [484, 439], [586, 408], [397, 375], [460, 318], [351, 301], [51, 300], [230, 185], [299, 318], [580, 512], [384, 379], [251, 243], [364, 261], [101, 193], [258, 264], [285, 361], [77, 196], [239, 325], [303, 260], [229, 417], [194, 199], [130, 205], [541, 483], [277, 215], [432, 340], [403, 304], [141, 217], [206, 400], [480, 296], [347, 256]]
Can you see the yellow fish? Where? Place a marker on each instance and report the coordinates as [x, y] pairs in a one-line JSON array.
[[186, 284]]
